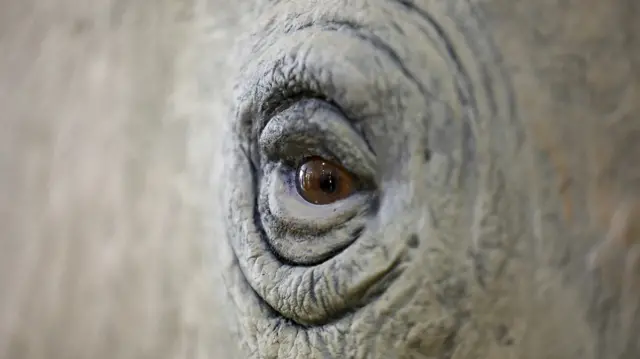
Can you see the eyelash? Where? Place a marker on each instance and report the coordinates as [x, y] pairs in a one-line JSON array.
[[285, 90]]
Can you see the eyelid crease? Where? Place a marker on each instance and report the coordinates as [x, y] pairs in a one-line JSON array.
[[288, 80], [284, 89], [284, 97]]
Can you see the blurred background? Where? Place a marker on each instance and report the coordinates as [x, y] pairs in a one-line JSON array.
[[110, 115]]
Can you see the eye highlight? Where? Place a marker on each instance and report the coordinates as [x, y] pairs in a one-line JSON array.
[[322, 182]]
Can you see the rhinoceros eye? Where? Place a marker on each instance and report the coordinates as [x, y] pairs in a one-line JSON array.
[[317, 182], [322, 182]]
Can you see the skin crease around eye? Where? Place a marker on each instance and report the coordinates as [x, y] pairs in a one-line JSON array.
[[322, 182]]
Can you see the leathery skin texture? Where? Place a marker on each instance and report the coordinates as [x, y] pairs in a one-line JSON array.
[[495, 144]]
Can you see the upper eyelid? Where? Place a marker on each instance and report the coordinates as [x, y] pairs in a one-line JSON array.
[[288, 97], [329, 122], [261, 94], [283, 88]]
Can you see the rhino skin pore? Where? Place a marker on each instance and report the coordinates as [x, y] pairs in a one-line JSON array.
[[505, 137]]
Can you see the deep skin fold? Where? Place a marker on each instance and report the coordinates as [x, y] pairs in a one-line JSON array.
[[458, 247]]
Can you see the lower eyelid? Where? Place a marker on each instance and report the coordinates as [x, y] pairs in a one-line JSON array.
[[286, 203]]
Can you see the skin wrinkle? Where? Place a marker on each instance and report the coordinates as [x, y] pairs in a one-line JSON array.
[[442, 36], [311, 83], [366, 35], [257, 222]]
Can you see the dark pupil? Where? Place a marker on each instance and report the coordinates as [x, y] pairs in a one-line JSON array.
[[328, 182]]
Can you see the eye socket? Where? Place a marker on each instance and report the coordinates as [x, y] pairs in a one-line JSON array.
[[322, 182], [317, 184]]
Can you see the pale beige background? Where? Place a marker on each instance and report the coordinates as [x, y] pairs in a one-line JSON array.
[[110, 113]]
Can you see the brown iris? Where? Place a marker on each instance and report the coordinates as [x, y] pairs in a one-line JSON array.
[[324, 182]]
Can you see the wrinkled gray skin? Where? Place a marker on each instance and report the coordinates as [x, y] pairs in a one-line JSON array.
[[497, 145]]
